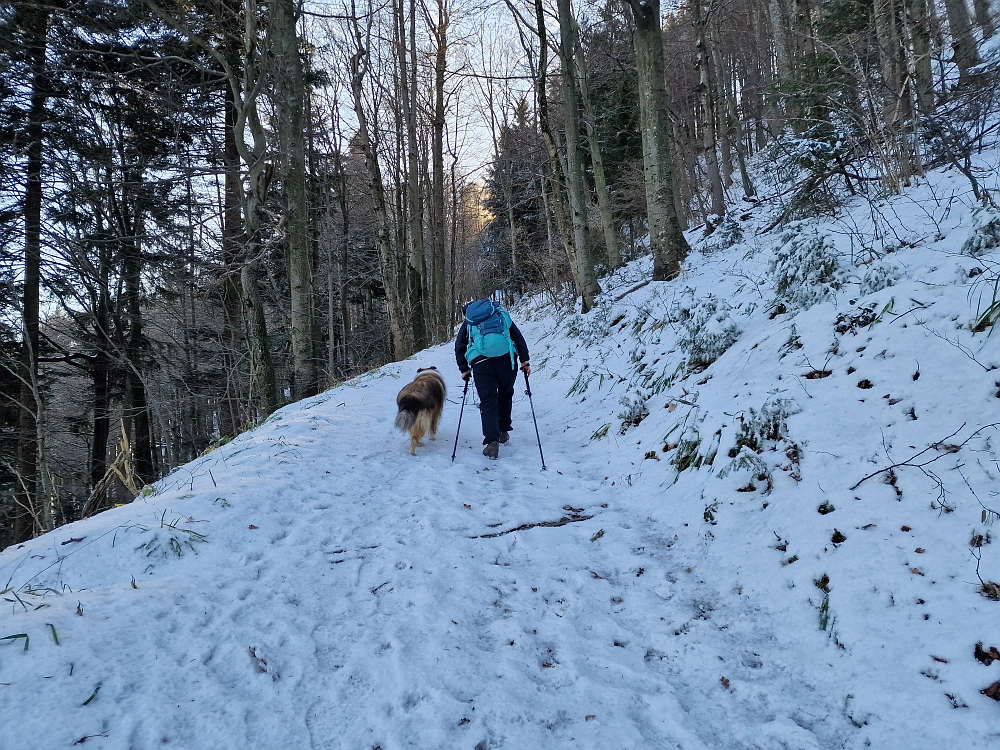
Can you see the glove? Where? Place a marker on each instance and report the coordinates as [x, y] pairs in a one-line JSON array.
[[466, 375], [526, 369]]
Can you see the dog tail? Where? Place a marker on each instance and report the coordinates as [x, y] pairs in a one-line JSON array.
[[406, 417]]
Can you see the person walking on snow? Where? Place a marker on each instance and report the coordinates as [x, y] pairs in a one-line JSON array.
[[488, 346]]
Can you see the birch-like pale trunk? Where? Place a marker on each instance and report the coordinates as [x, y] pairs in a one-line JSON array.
[[920, 34], [588, 288], [556, 177], [706, 94], [604, 205], [665, 237], [290, 96]]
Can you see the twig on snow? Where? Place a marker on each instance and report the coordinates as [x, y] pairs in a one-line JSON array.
[[575, 518], [941, 445]]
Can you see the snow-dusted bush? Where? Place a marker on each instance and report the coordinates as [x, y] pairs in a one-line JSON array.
[[707, 328], [982, 238], [727, 233], [634, 412], [590, 328], [759, 430], [880, 275], [805, 270]]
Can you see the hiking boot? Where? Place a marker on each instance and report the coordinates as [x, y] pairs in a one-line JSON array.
[[504, 437], [492, 450]]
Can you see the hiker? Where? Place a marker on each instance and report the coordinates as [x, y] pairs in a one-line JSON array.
[[488, 346]]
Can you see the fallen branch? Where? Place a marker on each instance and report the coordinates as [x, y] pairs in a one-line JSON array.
[[636, 288], [575, 518], [940, 445]]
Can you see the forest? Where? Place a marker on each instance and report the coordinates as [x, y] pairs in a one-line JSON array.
[[214, 208]]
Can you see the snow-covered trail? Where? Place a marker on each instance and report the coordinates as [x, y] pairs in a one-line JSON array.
[[311, 585], [346, 596]]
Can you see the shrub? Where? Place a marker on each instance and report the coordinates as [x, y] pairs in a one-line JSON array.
[[707, 329], [805, 270], [982, 238], [880, 275]]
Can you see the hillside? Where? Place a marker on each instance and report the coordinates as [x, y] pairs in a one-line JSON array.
[[732, 564]]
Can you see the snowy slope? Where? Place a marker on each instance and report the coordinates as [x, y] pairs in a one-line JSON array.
[[310, 585]]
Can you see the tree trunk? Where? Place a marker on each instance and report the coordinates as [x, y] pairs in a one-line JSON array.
[[232, 245], [291, 105], [556, 178], [588, 288], [783, 56], [439, 296], [390, 272], [415, 275], [963, 43], [921, 35], [100, 372], [597, 161], [984, 17], [733, 122], [27, 501], [707, 96], [665, 237], [138, 411]]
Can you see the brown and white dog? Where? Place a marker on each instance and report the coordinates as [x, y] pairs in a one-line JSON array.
[[420, 405]]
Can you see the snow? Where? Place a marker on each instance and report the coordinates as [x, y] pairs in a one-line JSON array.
[[310, 585]]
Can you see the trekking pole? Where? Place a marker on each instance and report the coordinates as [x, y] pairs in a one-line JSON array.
[[459, 428], [527, 386]]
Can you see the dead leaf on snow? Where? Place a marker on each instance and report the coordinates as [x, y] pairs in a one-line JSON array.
[[993, 691], [986, 656], [590, 717], [916, 571]]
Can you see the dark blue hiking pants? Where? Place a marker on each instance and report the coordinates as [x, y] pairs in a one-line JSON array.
[[495, 384]]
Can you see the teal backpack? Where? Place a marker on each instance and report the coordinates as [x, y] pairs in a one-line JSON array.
[[488, 325]]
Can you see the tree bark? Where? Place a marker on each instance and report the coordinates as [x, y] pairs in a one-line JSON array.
[[100, 372], [556, 176], [963, 43], [921, 35], [390, 274], [439, 296], [597, 161], [984, 17], [588, 288], [27, 510], [707, 95], [291, 105], [665, 237], [138, 408], [415, 275]]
